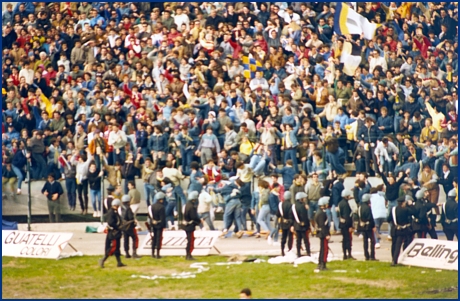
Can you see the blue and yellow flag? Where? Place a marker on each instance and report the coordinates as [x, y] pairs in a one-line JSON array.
[[251, 66], [348, 21]]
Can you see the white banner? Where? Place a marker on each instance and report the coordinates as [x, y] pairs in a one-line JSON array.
[[174, 243], [431, 253], [34, 244]]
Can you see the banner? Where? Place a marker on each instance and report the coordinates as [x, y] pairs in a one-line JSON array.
[[34, 244], [431, 253], [174, 243], [348, 21]]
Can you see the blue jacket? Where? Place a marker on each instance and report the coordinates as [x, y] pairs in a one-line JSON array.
[[141, 139], [343, 119], [11, 135], [195, 185], [227, 190], [386, 122], [19, 160], [369, 134], [186, 143], [288, 173], [288, 120], [273, 201], [336, 193], [281, 73], [158, 143], [414, 169], [322, 172], [292, 135]]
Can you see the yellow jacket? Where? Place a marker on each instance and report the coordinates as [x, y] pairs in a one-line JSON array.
[[246, 148]]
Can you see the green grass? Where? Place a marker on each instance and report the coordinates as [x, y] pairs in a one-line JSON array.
[[80, 277]]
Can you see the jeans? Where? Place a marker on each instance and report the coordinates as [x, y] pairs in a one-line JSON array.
[[334, 160], [244, 212], [388, 166], [39, 168], [291, 154], [149, 190], [335, 217], [272, 148], [257, 164], [207, 218], [19, 175], [312, 208], [437, 166], [95, 199], [378, 223], [329, 217], [186, 155], [71, 187], [170, 207], [119, 157], [264, 218], [360, 165], [233, 212], [391, 204]]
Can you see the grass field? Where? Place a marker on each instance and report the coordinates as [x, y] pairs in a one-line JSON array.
[[80, 277]]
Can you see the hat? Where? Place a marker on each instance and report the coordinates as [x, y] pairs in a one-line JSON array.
[[160, 196], [192, 195], [126, 198], [212, 113], [346, 193], [366, 198], [300, 195], [116, 202], [420, 194], [452, 193], [10, 125], [323, 201], [287, 195], [408, 198]]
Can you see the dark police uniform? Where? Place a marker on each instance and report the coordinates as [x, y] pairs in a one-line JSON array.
[[431, 218], [366, 226], [285, 221], [129, 230], [345, 223], [157, 214], [420, 221], [299, 214], [191, 220], [322, 232], [449, 218], [112, 240], [401, 231]]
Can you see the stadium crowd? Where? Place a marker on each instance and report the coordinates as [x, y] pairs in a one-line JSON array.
[[230, 95]]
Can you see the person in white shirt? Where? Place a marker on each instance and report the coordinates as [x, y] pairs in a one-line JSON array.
[[377, 60], [379, 211], [118, 140], [181, 18], [28, 73], [289, 15], [386, 153], [258, 82]]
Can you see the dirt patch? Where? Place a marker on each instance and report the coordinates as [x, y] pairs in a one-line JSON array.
[[374, 283], [442, 290], [14, 265]]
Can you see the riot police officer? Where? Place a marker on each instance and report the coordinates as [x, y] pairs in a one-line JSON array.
[[112, 240], [322, 232], [299, 214], [157, 223]]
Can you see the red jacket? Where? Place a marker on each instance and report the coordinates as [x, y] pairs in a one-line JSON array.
[[213, 174]]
